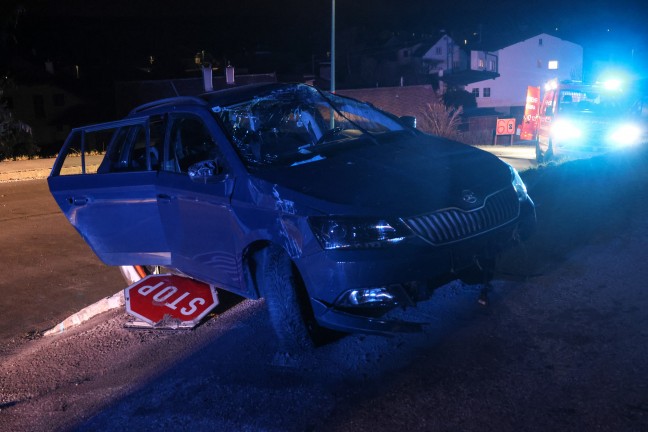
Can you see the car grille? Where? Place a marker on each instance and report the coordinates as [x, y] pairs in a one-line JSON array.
[[453, 224]]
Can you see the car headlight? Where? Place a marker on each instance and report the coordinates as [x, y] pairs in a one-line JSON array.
[[565, 130], [518, 184], [379, 296], [627, 134], [335, 232]]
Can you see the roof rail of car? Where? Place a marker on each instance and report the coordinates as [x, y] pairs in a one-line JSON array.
[[169, 101]]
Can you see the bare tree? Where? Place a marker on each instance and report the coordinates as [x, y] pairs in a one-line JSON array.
[[15, 136], [442, 121]]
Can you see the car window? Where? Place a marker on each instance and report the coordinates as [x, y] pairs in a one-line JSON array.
[[129, 147], [285, 126], [86, 147], [190, 142]]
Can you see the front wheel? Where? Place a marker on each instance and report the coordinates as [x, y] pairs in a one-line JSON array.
[[539, 155], [543, 157], [549, 154], [285, 295]]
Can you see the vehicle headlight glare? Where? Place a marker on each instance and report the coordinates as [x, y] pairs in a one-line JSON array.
[[565, 130], [356, 233], [627, 134]]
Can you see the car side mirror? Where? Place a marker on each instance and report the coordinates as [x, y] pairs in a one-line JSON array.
[[409, 121], [204, 171]]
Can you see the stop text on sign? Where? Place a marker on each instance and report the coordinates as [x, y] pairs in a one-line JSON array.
[[168, 291], [162, 297]]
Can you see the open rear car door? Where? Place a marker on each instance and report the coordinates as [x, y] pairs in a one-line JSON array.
[[112, 200]]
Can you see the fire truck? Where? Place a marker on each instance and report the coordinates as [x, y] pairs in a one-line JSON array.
[[578, 119]]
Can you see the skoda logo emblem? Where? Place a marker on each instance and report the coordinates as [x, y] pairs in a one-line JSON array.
[[468, 196]]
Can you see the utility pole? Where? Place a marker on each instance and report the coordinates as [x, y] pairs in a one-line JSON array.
[[332, 46]]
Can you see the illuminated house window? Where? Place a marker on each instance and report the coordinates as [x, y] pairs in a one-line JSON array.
[[480, 63], [553, 64]]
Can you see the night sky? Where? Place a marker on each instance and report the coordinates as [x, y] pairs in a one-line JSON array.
[[121, 32]]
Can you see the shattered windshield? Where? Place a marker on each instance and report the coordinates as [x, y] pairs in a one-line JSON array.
[[297, 124]]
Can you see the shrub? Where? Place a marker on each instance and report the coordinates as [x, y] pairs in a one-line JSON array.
[[457, 98], [442, 121], [15, 137]]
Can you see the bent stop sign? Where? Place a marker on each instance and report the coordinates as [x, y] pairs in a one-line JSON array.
[[170, 298]]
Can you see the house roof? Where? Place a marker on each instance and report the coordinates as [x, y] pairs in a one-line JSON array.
[[504, 40]]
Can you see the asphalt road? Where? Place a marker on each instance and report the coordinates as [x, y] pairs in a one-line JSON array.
[[49, 272]]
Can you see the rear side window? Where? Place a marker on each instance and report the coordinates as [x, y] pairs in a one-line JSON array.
[[125, 145], [84, 151], [136, 147]]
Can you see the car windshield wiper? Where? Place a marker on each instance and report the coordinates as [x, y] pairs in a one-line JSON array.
[[326, 136]]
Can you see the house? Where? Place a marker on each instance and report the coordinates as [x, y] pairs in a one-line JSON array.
[[410, 59], [45, 106], [454, 66], [530, 62]]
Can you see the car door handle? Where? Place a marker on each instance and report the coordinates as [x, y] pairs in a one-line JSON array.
[[78, 201], [164, 198]]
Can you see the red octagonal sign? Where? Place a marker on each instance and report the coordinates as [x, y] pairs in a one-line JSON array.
[[171, 298]]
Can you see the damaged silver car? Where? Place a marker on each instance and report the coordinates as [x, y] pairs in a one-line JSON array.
[[332, 210]]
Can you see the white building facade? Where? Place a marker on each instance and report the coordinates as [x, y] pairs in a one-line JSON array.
[[531, 62], [445, 55]]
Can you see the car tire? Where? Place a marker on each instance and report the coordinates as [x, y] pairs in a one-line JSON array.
[[290, 311], [539, 155], [549, 154]]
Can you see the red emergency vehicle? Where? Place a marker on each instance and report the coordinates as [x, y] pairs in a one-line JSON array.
[[580, 119]]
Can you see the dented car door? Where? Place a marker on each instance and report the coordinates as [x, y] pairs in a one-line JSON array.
[[194, 190]]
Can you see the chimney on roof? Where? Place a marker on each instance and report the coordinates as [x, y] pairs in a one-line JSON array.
[[229, 74], [208, 82]]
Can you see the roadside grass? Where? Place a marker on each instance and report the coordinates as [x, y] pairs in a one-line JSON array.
[[579, 202]]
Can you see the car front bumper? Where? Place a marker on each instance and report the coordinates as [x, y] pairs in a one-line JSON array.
[[409, 273]]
